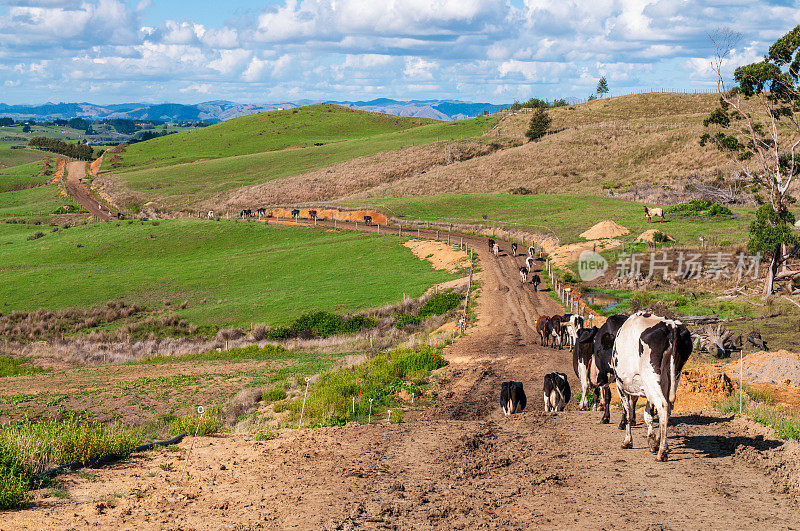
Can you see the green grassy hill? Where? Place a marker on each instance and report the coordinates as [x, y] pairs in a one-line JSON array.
[[230, 272], [257, 133]]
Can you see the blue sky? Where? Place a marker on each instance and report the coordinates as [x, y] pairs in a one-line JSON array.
[[112, 51]]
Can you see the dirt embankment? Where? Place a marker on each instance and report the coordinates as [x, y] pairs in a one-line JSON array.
[[439, 254], [458, 465]]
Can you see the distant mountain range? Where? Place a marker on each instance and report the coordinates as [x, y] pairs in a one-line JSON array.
[[217, 111]]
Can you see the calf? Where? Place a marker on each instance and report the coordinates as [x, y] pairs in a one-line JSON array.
[[535, 280], [523, 274], [556, 391], [648, 356], [512, 397], [210, 214], [591, 360], [262, 212], [513, 249], [491, 244], [541, 328]]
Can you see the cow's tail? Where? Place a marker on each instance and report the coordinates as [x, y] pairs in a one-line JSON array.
[[673, 378]]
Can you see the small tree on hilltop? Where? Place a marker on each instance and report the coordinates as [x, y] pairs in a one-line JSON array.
[[757, 124], [602, 87], [540, 123]]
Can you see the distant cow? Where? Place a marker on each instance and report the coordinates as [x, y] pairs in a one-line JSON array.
[[496, 249], [512, 397], [246, 213], [650, 213], [541, 329], [591, 360], [296, 213], [556, 391], [262, 212], [555, 330], [210, 214], [312, 214], [535, 280], [648, 356], [491, 244], [529, 262], [367, 220], [571, 328], [531, 250], [513, 249], [523, 274]]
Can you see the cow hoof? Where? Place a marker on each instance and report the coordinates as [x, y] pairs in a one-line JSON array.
[[653, 444], [627, 444], [604, 420], [621, 426], [663, 455]]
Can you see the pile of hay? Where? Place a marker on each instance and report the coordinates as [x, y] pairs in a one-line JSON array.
[[605, 229]]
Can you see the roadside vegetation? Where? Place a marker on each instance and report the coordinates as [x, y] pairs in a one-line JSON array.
[[760, 405]]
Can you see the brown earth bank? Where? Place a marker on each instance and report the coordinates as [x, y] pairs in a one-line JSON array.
[[458, 465]]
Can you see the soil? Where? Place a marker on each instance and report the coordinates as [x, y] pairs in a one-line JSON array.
[[605, 229], [567, 254], [650, 236], [457, 465], [439, 254], [780, 367], [80, 193]]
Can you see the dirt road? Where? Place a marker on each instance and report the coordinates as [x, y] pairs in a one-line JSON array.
[[461, 465], [79, 191]]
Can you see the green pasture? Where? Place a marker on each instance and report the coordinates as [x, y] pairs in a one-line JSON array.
[[15, 157], [566, 216], [232, 273]]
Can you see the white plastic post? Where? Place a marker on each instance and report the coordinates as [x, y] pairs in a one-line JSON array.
[[388, 416], [354, 404], [303, 409], [369, 417], [412, 399]]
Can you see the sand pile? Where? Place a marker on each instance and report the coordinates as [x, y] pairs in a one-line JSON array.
[[439, 254], [605, 229], [649, 236], [781, 367]]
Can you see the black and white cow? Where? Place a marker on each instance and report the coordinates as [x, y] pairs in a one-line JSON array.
[[556, 391], [648, 356], [529, 262], [571, 328], [512, 397], [246, 213], [513, 249], [296, 213], [531, 250], [523, 274], [491, 244], [262, 212], [555, 330], [591, 360], [535, 280]]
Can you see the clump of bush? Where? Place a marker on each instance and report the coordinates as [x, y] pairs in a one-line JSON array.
[[36, 235], [195, 424], [18, 367], [698, 207], [274, 394], [330, 403], [439, 304], [520, 190], [29, 448], [320, 324]]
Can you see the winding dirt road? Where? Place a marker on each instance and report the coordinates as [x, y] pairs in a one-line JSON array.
[[79, 191], [460, 465]]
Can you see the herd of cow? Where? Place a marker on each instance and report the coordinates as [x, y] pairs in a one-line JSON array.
[[526, 272], [642, 353]]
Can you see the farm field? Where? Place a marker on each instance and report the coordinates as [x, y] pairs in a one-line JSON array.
[[565, 215], [228, 273], [15, 157]]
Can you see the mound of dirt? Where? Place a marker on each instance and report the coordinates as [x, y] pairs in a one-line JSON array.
[[781, 367], [650, 236], [567, 254], [439, 254], [605, 229]]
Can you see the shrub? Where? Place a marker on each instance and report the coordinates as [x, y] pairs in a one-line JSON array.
[[408, 320], [196, 424], [696, 207], [326, 324], [265, 434], [18, 366], [275, 394], [36, 235], [440, 304], [520, 190]]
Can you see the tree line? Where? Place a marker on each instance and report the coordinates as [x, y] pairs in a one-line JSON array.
[[76, 151]]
